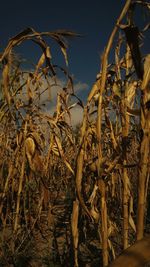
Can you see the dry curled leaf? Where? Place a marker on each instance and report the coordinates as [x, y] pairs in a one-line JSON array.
[[5, 76]]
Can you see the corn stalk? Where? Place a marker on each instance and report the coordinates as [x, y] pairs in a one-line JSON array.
[[20, 182], [144, 150], [104, 226]]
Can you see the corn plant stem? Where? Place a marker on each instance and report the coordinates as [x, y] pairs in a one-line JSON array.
[[20, 184], [19, 192], [105, 234], [147, 182], [49, 152], [6, 187], [102, 81], [125, 131], [143, 172], [78, 179], [75, 231], [79, 164], [125, 210], [125, 123], [104, 226]]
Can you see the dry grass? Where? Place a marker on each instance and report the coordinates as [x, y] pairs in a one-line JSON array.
[[75, 189]]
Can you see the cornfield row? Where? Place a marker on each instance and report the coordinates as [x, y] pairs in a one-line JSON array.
[[74, 197]]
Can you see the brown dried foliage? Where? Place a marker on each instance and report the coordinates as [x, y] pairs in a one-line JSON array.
[[72, 196]]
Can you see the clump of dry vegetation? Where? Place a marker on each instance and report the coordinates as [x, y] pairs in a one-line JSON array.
[[69, 197]]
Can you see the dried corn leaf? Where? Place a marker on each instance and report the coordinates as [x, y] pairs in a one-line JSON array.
[[130, 93], [15, 41], [116, 89], [55, 150], [37, 138], [64, 51], [112, 228], [112, 165], [6, 91], [95, 213], [59, 146], [146, 78], [128, 57], [61, 153], [132, 37], [68, 166], [36, 37], [48, 52], [64, 99], [37, 163], [40, 63], [109, 123], [93, 194], [93, 91], [131, 221], [111, 248], [133, 112]]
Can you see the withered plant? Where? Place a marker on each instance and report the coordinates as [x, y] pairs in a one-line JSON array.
[[75, 197], [37, 144], [113, 157]]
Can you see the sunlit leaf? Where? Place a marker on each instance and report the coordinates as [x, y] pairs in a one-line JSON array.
[[116, 89], [6, 83], [63, 49]]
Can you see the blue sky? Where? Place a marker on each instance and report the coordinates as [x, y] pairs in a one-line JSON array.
[[94, 19]]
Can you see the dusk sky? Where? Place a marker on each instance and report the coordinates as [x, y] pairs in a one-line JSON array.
[[94, 19]]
